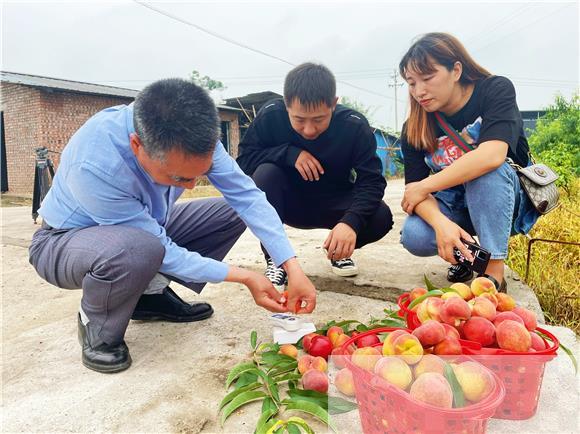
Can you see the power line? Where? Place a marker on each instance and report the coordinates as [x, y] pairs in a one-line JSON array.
[[529, 23], [247, 47]]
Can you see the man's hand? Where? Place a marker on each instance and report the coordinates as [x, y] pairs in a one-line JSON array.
[[301, 291], [449, 235], [308, 166], [415, 193], [264, 293], [340, 242]]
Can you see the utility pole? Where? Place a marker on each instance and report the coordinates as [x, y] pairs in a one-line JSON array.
[[395, 84]]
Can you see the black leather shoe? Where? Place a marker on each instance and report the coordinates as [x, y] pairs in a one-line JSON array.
[[167, 306], [99, 356], [459, 273]]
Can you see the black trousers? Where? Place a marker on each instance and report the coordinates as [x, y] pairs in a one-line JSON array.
[[299, 210]]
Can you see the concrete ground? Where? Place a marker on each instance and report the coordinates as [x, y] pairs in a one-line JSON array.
[[178, 372]]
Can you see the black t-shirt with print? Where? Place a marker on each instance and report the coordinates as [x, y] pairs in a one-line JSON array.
[[494, 101]]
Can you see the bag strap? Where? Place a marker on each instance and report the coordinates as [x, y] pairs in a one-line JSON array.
[[452, 133]]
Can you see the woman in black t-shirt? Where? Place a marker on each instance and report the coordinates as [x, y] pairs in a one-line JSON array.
[[469, 193]]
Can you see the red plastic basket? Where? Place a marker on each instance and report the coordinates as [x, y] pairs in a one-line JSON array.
[[521, 373], [410, 316], [384, 408]]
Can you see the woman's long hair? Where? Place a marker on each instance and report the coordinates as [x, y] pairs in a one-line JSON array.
[[431, 48]]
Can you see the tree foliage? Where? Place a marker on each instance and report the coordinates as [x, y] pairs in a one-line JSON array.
[[366, 111], [556, 140], [206, 82]]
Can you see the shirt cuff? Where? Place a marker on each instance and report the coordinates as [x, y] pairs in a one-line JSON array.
[[353, 220], [292, 154]]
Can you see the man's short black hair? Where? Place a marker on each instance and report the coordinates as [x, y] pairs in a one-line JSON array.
[[310, 84], [176, 114]]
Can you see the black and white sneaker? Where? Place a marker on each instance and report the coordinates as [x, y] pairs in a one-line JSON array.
[[344, 267], [276, 275]]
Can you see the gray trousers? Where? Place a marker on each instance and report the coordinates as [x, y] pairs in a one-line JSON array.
[[115, 264]]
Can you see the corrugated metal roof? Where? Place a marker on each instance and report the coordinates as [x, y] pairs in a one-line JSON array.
[[74, 86]]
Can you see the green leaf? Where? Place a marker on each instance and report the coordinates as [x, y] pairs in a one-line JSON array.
[[301, 423], [245, 379], [428, 284], [332, 404], [458, 397], [237, 392], [310, 408], [240, 400], [445, 290], [270, 358], [293, 428], [238, 370], [269, 404], [287, 377], [253, 339], [264, 427], [361, 328], [276, 427], [433, 293], [292, 384]]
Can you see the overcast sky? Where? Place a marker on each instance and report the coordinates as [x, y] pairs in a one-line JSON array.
[[123, 43]]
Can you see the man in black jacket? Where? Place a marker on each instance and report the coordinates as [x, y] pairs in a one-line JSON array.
[[316, 161]]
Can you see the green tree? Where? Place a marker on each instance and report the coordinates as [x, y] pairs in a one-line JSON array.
[[366, 111], [206, 82], [556, 140]]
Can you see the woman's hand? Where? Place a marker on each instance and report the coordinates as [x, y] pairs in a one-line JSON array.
[[415, 193], [449, 235]]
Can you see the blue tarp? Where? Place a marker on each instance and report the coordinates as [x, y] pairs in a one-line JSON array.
[[386, 153]]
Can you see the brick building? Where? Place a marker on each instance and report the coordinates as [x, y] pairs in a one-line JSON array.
[[45, 112]]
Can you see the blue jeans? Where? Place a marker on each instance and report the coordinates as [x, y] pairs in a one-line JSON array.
[[493, 207]]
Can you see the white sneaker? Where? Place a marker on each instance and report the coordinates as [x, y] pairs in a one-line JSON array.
[[344, 267], [276, 275]]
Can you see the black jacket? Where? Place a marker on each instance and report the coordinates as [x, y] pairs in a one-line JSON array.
[[346, 151]]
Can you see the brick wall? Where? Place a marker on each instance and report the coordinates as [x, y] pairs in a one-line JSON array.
[[232, 118], [35, 117]]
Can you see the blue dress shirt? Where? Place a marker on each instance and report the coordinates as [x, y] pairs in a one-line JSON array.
[[100, 182]]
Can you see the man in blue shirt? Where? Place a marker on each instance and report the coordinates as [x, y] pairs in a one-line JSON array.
[[111, 225]]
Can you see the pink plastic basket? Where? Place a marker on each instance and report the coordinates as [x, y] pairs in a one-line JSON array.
[[384, 408]]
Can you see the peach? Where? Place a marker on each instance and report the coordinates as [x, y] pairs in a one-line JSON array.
[[513, 336], [529, 317], [505, 302], [479, 285], [482, 307], [430, 333], [491, 297], [308, 362], [450, 294], [538, 343], [315, 380], [480, 330], [344, 382], [388, 348], [395, 371], [339, 356], [463, 290], [451, 331], [455, 310], [367, 341], [429, 363], [475, 381], [366, 357], [502, 316], [416, 293], [339, 340], [448, 346], [429, 309], [409, 348], [307, 341], [333, 333], [432, 388], [289, 350]]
